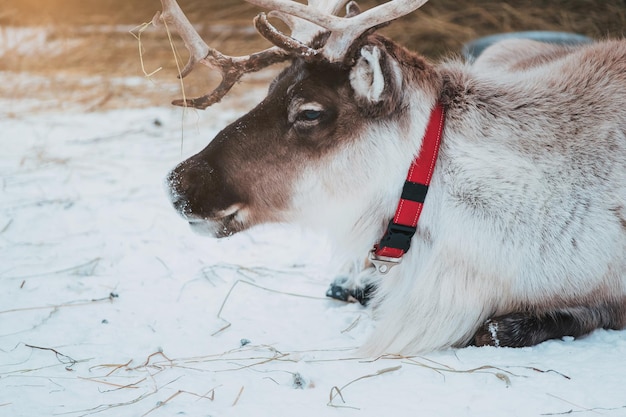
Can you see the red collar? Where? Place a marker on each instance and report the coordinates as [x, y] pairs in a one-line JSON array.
[[402, 227]]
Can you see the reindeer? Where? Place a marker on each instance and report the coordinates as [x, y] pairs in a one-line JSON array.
[[509, 228]]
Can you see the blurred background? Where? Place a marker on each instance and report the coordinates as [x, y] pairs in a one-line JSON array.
[[83, 54]]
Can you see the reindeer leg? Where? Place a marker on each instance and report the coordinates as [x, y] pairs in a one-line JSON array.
[[529, 328]]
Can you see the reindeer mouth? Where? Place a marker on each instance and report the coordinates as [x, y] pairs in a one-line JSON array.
[[224, 223]]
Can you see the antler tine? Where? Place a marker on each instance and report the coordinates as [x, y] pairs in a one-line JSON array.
[[302, 31], [341, 39], [231, 68], [343, 30], [291, 45]]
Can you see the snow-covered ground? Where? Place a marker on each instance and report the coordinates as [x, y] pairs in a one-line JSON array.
[[111, 306]]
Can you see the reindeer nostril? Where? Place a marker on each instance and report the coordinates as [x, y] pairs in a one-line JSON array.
[[194, 188], [190, 175]]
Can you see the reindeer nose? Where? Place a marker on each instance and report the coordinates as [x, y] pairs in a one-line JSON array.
[[198, 189], [189, 175], [191, 184]]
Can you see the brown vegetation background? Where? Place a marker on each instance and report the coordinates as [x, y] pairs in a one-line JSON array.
[[91, 37]]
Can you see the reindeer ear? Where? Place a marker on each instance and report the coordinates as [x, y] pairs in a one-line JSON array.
[[377, 82]]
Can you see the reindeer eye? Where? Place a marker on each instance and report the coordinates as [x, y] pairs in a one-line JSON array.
[[310, 115], [305, 115]]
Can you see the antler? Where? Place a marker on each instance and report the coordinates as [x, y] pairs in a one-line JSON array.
[[232, 68], [304, 21], [344, 30]]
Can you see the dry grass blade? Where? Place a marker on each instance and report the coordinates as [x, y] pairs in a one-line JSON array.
[[229, 361], [238, 397], [136, 33], [595, 410], [499, 373], [352, 325], [114, 366], [84, 269], [179, 392], [149, 359], [548, 371], [232, 288], [64, 359], [119, 386], [279, 356], [58, 306], [335, 391], [107, 407]]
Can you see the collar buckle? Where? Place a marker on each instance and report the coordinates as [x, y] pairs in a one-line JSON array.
[[383, 264]]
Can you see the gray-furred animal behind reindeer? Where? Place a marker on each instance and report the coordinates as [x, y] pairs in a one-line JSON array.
[[522, 235]]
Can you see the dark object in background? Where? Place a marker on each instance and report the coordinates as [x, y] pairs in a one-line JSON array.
[[473, 49]]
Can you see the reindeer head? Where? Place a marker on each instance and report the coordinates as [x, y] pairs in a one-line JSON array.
[[311, 151]]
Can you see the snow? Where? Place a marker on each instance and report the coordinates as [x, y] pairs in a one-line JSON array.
[[111, 306]]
